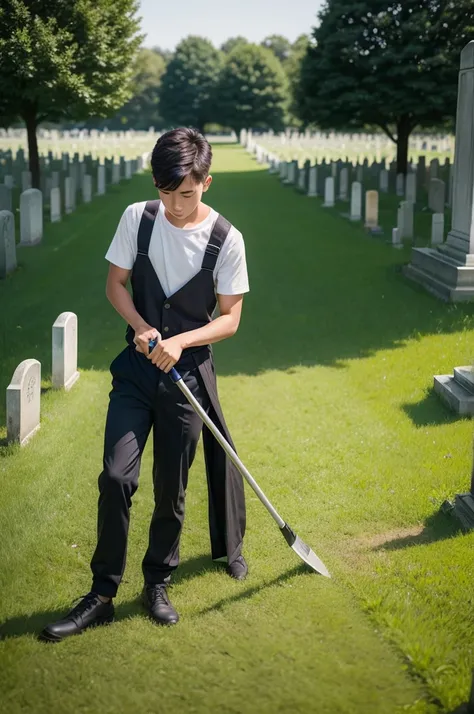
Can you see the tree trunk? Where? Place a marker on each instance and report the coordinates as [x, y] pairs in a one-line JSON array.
[[29, 117], [404, 130]]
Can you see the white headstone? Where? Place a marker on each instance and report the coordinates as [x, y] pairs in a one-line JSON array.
[[313, 182], [31, 216], [405, 219], [434, 168], [356, 201], [371, 209], [9, 181], [25, 180], [302, 179], [410, 189], [291, 173], [437, 195], [437, 228], [128, 169], [383, 181], [115, 172], [55, 205], [344, 184], [328, 192], [87, 188], [74, 173], [7, 243], [400, 185], [100, 179], [396, 238], [5, 198], [23, 402], [65, 372], [69, 194], [55, 179]]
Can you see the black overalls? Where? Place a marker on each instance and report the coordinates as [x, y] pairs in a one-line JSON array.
[[143, 397]]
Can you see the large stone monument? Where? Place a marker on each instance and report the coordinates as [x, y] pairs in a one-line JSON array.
[[448, 270]]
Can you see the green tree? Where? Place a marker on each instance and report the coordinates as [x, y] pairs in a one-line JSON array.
[[279, 45], [166, 54], [229, 45], [64, 58], [188, 85], [142, 111], [252, 91], [386, 63], [292, 67]]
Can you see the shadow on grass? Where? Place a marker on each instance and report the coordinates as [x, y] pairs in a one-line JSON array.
[[431, 411], [438, 526], [195, 567]]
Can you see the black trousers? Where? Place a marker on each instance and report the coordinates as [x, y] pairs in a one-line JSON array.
[[144, 398]]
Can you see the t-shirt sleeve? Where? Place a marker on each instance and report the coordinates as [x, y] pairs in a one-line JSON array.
[[123, 248], [231, 276]]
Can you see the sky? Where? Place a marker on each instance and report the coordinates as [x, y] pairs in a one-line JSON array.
[[166, 23]]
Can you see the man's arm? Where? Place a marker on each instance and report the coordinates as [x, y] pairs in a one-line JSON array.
[[168, 352], [224, 326], [120, 298]]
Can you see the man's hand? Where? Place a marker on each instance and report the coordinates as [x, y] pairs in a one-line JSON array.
[[143, 334], [167, 353]]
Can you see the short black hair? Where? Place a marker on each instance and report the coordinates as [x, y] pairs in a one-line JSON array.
[[179, 153]]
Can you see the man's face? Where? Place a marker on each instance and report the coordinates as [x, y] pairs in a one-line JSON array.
[[182, 202]]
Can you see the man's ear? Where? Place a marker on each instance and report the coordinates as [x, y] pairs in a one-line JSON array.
[[207, 183]]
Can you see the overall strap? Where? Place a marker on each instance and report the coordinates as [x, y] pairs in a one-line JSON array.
[[146, 226], [218, 235]]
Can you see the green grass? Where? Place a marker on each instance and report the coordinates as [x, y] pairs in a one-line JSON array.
[[327, 391]]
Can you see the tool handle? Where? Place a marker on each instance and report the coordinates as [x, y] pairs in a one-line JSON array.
[[176, 377], [173, 373]]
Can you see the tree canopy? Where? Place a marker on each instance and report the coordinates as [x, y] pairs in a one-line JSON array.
[[252, 90], [279, 45], [384, 63], [229, 45], [189, 83], [61, 59]]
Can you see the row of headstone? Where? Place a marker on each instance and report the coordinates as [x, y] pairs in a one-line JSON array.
[[311, 186], [406, 187], [31, 208], [24, 390], [320, 179], [332, 142]]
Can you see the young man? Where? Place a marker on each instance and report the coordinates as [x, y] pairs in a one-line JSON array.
[[182, 258]]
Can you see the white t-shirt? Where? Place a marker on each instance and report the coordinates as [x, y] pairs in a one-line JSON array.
[[176, 254]]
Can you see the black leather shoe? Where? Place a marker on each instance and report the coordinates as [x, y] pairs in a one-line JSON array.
[[238, 569], [89, 612], [157, 602]]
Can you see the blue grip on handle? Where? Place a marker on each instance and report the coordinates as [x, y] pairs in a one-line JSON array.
[[173, 373]]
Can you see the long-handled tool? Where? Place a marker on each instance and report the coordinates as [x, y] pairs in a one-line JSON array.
[[294, 541]]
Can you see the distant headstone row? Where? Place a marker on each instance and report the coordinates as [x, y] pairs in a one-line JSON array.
[[24, 390], [332, 181], [32, 201], [342, 181], [329, 142]]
